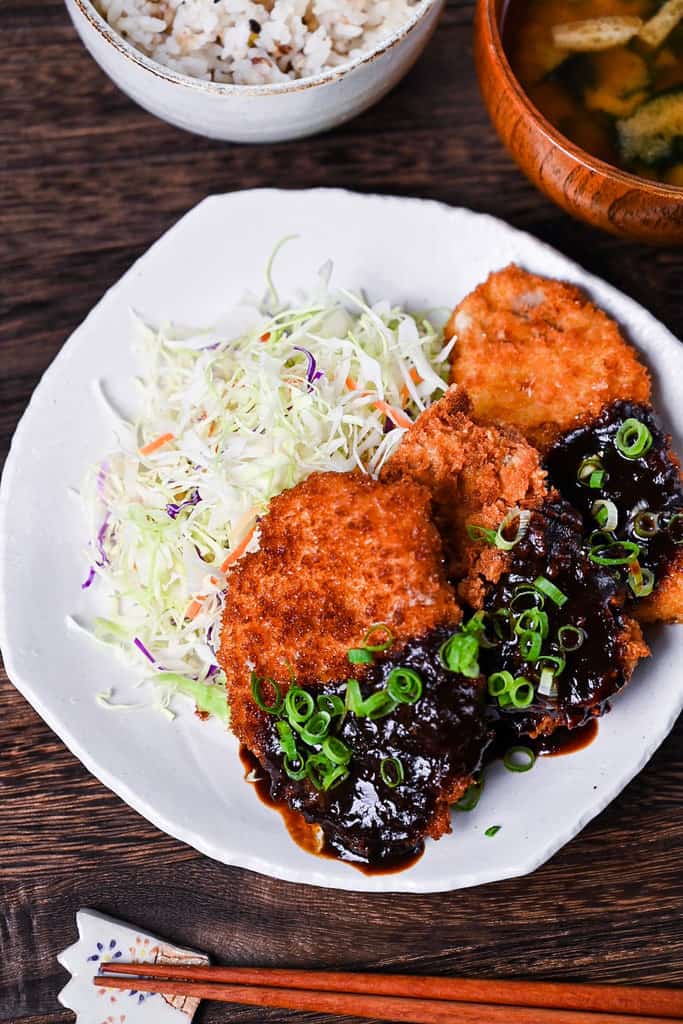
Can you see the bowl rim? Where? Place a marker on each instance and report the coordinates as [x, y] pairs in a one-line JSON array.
[[494, 11], [100, 25]]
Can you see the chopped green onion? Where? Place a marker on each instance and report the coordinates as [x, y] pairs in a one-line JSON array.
[[500, 683], [383, 645], [530, 644], [551, 666], [504, 615], [256, 691], [523, 517], [460, 654], [317, 767], [360, 656], [589, 471], [504, 699], [521, 692], [470, 798], [641, 581], [492, 830], [570, 638], [519, 759], [354, 700], [646, 524], [481, 533], [377, 705], [621, 552], [548, 589], [605, 514], [597, 479], [633, 439], [555, 660], [677, 518], [334, 776], [316, 728], [547, 685], [392, 772], [526, 596], [295, 767], [533, 620], [476, 626], [331, 703], [299, 705], [336, 751], [600, 537], [287, 741], [404, 686]]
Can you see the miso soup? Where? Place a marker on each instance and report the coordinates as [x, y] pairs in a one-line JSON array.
[[608, 74]]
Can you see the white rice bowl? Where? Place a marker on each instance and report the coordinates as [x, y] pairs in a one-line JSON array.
[[246, 43]]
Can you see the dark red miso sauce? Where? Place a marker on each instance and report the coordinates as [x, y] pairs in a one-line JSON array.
[[310, 837], [452, 713], [436, 740], [565, 741]]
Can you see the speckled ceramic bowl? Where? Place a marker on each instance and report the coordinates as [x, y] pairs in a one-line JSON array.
[[256, 113]]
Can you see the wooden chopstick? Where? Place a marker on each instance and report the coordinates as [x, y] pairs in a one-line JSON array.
[[393, 1008], [620, 999]]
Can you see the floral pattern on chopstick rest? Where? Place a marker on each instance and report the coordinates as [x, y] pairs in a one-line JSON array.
[[103, 939]]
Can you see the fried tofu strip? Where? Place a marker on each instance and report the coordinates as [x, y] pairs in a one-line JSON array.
[[537, 354]]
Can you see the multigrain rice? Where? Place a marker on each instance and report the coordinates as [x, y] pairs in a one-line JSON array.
[[248, 43]]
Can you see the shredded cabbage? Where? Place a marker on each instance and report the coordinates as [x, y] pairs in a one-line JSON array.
[[240, 412]]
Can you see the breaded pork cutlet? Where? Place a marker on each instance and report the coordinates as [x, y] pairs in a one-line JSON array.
[[637, 497], [478, 476], [546, 591], [536, 353], [338, 554], [475, 472]]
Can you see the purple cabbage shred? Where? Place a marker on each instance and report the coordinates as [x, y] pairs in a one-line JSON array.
[[141, 647], [194, 499], [312, 372], [90, 577]]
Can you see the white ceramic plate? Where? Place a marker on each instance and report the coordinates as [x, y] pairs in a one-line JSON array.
[[185, 776]]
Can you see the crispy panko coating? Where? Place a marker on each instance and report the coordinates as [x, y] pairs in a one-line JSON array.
[[536, 353], [338, 552], [475, 472], [666, 603]]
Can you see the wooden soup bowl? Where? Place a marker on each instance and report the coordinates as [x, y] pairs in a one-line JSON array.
[[587, 188]]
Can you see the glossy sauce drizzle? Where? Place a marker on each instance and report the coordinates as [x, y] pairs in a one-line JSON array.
[[438, 740]]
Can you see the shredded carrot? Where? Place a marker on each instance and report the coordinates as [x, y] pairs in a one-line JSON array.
[[239, 550], [214, 580], [212, 428], [399, 418], [194, 607], [352, 386], [157, 443], [416, 379], [265, 337]]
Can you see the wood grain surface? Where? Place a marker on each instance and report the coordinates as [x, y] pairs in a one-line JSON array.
[[87, 182]]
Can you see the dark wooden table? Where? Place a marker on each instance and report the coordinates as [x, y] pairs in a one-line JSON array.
[[88, 182]]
